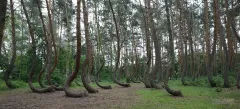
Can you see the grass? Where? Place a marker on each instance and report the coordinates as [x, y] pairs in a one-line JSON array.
[[195, 97]]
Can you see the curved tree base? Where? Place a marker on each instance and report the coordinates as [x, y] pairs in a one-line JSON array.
[[70, 93], [147, 83], [89, 88], [58, 88], [119, 83], [212, 83], [41, 84], [78, 84], [10, 85], [184, 82], [41, 90], [155, 85], [172, 92], [73, 94], [101, 86]]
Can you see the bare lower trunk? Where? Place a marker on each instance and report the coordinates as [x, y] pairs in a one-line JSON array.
[[184, 64]]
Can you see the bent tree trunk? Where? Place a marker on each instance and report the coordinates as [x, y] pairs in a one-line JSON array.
[[3, 9], [33, 67], [118, 51], [172, 56], [157, 68], [88, 63], [97, 78], [146, 80], [171, 91], [46, 41], [11, 65], [67, 90], [54, 47]]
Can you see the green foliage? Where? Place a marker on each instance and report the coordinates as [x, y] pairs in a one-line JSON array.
[[194, 98], [106, 73], [202, 81]]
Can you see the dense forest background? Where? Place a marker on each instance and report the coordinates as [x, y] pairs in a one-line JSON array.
[[56, 42]]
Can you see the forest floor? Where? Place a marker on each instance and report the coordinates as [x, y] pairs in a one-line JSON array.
[[118, 97], [135, 97]]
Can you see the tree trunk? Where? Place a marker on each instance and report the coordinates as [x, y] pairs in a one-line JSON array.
[[54, 47], [171, 54], [222, 39], [3, 9], [46, 41], [11, 65], [158, 65], [88, 63], [238, 38], [146, 80], [33, 67], [96, 78], [118, 51], [209, 57], [74, 74], [229, 37]]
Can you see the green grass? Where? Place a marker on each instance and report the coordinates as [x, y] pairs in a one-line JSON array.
[[195, 97]]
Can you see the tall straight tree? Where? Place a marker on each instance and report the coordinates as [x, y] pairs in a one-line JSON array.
[[219, 31], [229, 36], [11, 65], [209, 56], [74, 74]]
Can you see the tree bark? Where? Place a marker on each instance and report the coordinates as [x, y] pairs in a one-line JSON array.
[[209, 56], [229, 36], [146, 80], [33, 67], [11, 65], [3, 9], [88, 63], [158, 62], [74, 74], [96, 78], [171, 55], [118, 51], [222, 39], [238, 38], [46, 41], [54, 47]]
